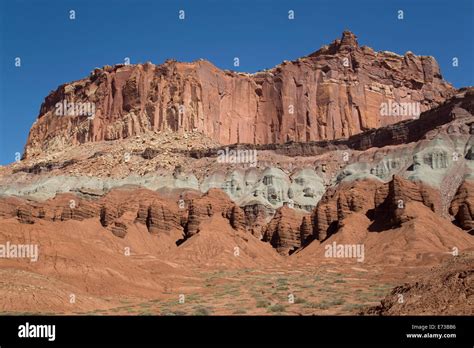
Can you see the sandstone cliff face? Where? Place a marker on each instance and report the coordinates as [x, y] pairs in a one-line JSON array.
[[339, 202], [458, 108], [287, 231], [213, 202], [462, 206], [160, 214], [333, 93], [159, 217], [383, 203], [391, 200]]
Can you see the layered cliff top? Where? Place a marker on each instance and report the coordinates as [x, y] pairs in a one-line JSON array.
[[333, 93]]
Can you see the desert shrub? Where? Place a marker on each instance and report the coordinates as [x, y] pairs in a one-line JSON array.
[[203, 311], [276, 308]]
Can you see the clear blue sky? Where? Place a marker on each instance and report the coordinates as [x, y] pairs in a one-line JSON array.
[[54, 49]]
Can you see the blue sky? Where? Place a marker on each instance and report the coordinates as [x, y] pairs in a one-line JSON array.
[[54, 49]]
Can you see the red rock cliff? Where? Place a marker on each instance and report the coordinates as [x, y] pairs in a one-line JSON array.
[[332, 93]]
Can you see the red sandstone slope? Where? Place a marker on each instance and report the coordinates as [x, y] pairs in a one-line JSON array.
[[424, 240], [445, 290], [399, 222], [80, 258], [121, 245], [335, 92]]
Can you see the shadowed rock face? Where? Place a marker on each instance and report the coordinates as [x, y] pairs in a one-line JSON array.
[[383, 203], [287, 230], [462, 206], [333, 93]]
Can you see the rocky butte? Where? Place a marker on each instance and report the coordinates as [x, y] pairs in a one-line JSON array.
[[332, 93], [166, 166]]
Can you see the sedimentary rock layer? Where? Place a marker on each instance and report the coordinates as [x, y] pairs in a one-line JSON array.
[[335, 92]]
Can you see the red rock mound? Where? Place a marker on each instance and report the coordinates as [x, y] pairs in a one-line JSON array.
[[397, 222], [288, 230]]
